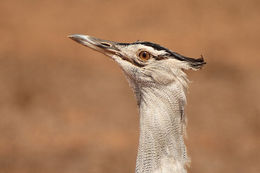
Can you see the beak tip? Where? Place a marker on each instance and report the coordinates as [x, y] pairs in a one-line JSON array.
[[78, 37], [73, 36], [70, 37]]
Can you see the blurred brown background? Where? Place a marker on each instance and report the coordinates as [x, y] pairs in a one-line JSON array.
[[65, 108]]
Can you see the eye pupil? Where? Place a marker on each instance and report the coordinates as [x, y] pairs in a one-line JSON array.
[[144, 55]]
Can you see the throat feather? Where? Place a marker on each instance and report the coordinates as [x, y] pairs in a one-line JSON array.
[[162, 127]]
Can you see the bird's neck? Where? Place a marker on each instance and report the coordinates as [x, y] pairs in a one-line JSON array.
[[162, 125]]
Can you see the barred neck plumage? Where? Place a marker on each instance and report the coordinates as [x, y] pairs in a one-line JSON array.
[[162, 128]]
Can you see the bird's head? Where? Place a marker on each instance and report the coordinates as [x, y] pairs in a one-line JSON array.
[[143, 62]]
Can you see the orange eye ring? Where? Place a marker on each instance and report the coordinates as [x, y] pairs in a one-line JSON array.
[[144, 55]]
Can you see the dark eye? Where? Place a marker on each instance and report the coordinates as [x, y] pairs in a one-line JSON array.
[[144, 56]]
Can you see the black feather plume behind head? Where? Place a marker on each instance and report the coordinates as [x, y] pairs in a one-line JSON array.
[[193, 62]]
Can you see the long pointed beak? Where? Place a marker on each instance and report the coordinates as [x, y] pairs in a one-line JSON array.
[[103, 46]]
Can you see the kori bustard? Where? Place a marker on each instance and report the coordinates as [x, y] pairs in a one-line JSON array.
[[156, 75]]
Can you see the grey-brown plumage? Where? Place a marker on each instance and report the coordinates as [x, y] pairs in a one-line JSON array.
[[156, 75]]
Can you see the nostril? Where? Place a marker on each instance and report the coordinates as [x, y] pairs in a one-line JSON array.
[[105, 44]]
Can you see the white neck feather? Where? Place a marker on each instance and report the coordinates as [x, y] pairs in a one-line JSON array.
[[162, 127]]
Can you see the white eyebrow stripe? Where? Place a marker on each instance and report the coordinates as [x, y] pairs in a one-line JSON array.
[[149, 49]]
